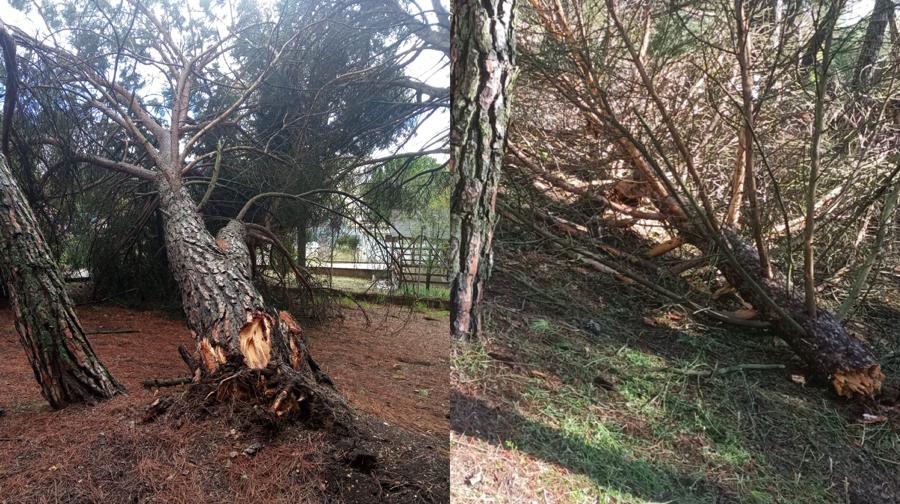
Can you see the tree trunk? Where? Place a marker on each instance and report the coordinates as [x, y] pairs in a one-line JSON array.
[[483, 55], [826, 347], [61, 357], [254, 351], [871, 44], [301, 244]]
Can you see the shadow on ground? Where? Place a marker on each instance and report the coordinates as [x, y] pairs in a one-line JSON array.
[[615, 470], [594, 379]]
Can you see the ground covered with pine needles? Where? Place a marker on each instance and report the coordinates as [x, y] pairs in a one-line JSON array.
[[393, 370]]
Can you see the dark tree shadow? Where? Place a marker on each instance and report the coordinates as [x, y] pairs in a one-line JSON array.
[[613, 469]]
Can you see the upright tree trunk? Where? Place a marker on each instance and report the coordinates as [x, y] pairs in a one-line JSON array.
[[871, 44], [254, 350], [483, 57], [62, 359], [301, 244]]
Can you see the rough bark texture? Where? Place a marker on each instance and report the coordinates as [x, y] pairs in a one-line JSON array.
[[871, 44], [483, 69], [254, 351], [826, 347], [60, 355]]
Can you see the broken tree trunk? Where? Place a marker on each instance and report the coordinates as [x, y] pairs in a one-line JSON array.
[[483, 54], [252, 351], [820, 340], [824, 344], [61, 357]]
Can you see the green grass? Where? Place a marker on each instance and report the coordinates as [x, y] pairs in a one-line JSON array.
[[436, 313], [472, 362], [349, 302], [340, 255], [364, 285], [419, 290], [662, 436]]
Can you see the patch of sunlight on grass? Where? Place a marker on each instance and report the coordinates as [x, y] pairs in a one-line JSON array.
[[470, 360]]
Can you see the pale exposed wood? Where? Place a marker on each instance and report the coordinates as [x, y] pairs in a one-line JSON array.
[[666, 247]]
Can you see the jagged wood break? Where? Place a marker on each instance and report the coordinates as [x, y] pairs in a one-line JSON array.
[[254, 351]]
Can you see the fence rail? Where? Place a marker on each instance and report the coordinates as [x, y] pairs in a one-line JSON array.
[[419, 261]]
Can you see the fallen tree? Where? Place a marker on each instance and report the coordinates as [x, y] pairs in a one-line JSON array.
[[651, 145], [246, 349]]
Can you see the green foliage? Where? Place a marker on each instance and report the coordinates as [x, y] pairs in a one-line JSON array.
[[349, 242], [409, 186]]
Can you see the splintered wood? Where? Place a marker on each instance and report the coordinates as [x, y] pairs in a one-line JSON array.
[[864, 382], [256, 341], [211, 356]]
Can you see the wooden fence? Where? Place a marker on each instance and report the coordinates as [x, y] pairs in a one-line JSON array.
[[418, 261]]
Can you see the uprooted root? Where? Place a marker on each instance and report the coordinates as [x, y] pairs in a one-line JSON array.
[[261, 400]]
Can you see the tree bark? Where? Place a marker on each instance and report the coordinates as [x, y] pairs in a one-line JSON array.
[[301, 244], [254, 351], [483, 56], [825, 346], [61, 357], [871, 44]]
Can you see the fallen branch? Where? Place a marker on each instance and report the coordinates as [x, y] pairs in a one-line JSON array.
[[113, 331], [166, 382], [188, 359], [600, 264], [719, 371], [665, 247]]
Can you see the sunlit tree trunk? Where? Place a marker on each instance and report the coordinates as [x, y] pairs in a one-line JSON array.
[[483, 56]]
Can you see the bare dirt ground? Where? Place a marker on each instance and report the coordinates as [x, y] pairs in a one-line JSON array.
[[394, 368], [401, 376]]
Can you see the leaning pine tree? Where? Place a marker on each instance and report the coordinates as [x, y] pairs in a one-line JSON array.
[[61, 357], [246, 349]]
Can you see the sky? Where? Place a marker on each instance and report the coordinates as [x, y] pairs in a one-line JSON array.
[[430, 67]]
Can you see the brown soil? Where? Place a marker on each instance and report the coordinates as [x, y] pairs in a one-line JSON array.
[[105, 454], [397, 368]]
